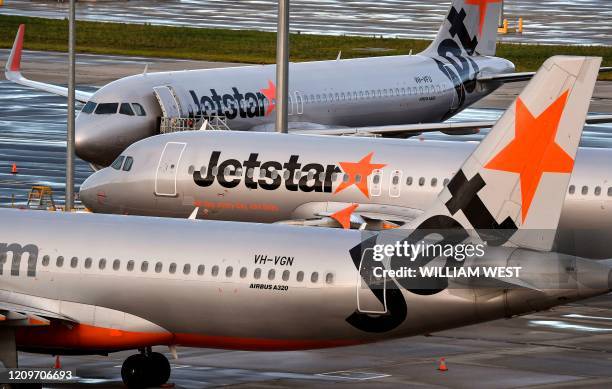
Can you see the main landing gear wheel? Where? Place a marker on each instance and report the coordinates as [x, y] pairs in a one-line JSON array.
[[145, 370], [160, 369]]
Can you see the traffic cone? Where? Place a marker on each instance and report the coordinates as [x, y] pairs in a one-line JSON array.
[[442, 366], [14, 169], [58, 363]]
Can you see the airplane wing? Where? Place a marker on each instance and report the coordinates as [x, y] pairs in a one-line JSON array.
[[21, 315], [407, 130], [524, 76], [12, 71], [352, 216]]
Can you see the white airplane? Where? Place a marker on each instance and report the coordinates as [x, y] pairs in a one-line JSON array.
[[103, 283], [458, 69]]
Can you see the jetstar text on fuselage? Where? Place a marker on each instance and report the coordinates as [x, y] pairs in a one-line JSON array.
[[310, 177], [232, 105]]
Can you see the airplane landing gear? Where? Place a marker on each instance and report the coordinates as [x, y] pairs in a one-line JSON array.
[[145, 370]]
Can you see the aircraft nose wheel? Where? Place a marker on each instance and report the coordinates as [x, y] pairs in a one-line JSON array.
[[145, 370]]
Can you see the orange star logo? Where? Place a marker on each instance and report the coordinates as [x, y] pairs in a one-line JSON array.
[[482, 9], [344, 216], [358, 173], [270, 94], [534, 150]]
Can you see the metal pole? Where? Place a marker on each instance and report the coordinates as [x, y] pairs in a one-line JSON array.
[[70, 133], [282, 66], [501, 15]]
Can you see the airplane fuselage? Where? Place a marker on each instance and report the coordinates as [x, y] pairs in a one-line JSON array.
[[129, 292], [342, 93], [270, 178]]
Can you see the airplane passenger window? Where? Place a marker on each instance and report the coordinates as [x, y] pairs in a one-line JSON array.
[[343, 96], [409, 181], [434, 182], [59, 262], [186, 269], [190, 169], [88, 262], [397, 92], [116, 264], [127, 166], [395, 180], [238, 172], [229, 271], [172, 268], [403, 91], [130, 265], [314, 277], [585, 190], [300, 276], [329, 278], [159, 267], [89, 107], [250, 172], [46, 260], [446, 181], [286, 275], [144, 267], [312, 98], [138, 109], [345, 178], [610, 191], [102, 264], [337, 97], [318, 98], [358, 178], [201, 270], [257, 274], [126, 109], [74, 262], [271, 274], [107, 108], [243, 272], [597, 190], [215, 271], [421, 181], [572, 189]]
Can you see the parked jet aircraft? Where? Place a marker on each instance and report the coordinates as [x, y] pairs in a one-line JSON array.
[[337, 181], [457, 70], [199, 289]]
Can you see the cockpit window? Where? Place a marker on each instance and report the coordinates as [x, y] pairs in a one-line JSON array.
[[118, 162], [127, 166], [107, 108], [89, 107], [138, 109], [126, 109]]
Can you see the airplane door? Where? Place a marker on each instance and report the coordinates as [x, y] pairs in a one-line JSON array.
[[167, 169], [168, 101], [376, 183], [368, 284], [299, 103], [396, 187]]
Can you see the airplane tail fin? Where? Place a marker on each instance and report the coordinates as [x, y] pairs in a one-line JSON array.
[[470, 26], [513, 185]]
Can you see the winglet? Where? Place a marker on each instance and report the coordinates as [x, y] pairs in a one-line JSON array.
[[14, 61]]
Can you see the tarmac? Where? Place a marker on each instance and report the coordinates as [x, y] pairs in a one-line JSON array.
[[584, 22], [568, 347]]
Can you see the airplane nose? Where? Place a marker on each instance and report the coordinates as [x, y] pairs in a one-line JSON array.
[[92, 193], [93, 143]]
